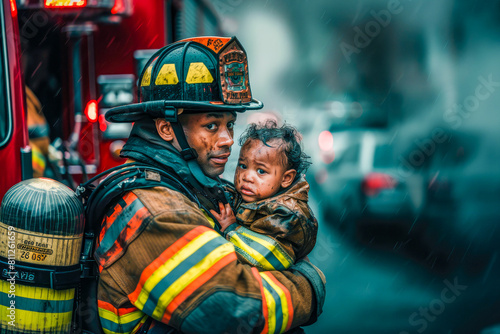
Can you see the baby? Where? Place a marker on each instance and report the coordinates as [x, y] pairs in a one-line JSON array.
[[273, 226]]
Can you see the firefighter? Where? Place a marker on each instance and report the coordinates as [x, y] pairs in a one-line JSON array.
[[163, 263], [38, 133]]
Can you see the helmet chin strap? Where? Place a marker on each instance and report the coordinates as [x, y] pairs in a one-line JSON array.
[[189, 154]]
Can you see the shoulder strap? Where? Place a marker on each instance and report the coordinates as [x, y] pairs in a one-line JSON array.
[[97, 199], [130, 176]]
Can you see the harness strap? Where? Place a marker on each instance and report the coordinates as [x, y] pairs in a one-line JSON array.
[[53, 277], [122, 179]]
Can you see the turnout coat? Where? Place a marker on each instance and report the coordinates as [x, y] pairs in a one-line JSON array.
[[159, 256]]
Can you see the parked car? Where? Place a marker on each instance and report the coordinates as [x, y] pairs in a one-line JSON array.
[[361, 189], [461, 200]]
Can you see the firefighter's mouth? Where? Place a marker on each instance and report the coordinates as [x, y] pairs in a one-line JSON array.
[[220, 159]]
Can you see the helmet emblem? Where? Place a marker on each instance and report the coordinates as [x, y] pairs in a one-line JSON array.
[[235, 76]]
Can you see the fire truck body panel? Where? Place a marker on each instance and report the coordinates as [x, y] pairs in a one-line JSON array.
[[79, 62], [14, 149]]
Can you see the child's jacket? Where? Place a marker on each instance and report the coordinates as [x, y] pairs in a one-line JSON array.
[[273, 233]]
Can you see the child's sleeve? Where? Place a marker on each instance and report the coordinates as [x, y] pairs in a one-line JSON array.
[[271, 242]]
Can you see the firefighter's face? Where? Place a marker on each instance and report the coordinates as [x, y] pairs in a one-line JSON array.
[[211, 135]]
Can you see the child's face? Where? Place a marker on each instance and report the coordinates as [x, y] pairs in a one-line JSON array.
[[260, 172]]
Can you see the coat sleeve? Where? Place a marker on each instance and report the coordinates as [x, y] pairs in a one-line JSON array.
[[265, 243], [273, 241], [181, 272]]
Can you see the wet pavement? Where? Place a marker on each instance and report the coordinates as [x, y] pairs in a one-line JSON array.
[[381, 291]]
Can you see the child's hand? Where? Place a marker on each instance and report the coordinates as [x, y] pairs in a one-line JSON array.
[[226, 216]]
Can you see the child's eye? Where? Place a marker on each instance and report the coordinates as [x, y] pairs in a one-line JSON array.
[[242, 166], [261, 171]]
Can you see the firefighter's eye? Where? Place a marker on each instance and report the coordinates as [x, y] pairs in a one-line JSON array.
[[230, 125], [211, 126]]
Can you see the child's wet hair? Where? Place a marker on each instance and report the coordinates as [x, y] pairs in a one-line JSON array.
[[293, 157]]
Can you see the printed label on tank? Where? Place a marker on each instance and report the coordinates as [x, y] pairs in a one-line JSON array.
[[35, 247]]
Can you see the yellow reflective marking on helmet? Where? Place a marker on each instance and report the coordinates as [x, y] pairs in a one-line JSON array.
[[146, 79], [198, 73], [167, 75]]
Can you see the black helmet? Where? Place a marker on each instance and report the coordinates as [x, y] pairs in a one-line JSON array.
[[196, 74]]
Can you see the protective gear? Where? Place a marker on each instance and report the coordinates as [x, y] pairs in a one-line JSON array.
[[197, 74], [166, 260], [39, 131], [41, 230]]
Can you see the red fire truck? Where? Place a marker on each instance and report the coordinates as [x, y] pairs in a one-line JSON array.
[[80, 58]]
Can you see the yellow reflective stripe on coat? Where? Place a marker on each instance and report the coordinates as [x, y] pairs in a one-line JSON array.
[[123, 319], [264, 252], [284, 304], [271, 311], [272, 246], [170, 265], [279, 304], [210, 220], [180, 270], [190, 276], [113, 323], [242, 246]]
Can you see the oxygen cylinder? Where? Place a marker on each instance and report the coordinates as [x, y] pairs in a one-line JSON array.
[[41, 230]]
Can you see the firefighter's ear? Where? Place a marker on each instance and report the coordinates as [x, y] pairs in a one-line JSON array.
[[288, 178], [164, 129]]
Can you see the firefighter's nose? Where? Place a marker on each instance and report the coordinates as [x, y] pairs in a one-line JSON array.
[[226, 139]]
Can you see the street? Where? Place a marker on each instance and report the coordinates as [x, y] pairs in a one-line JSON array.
[[379, 291]]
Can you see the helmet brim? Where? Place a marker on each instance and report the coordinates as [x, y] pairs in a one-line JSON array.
[[155, 109]]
